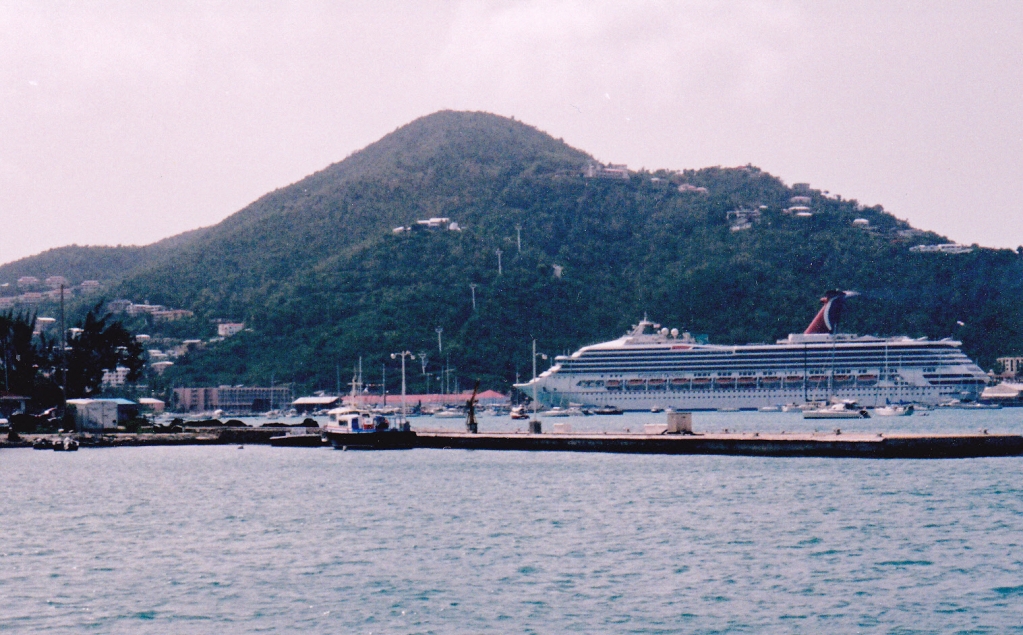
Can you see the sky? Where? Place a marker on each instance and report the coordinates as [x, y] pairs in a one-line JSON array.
[[128, 122]]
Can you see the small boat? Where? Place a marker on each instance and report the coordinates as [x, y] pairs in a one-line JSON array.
[[656, 384], [837, 411], [297, 441], [449, 413], [613, 384], [635, 384], [769, 409], [607, 410], [556, 411], [792, 380], [678, 383], [656, 409], [519, 412], [67, 444], [894, 411]]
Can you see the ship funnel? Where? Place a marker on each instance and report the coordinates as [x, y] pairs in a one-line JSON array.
[[827, 318]]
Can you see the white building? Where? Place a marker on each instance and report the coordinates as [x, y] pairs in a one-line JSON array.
[[596, 170], [1013, 365], [227, 329], [946, 248], [102, 414], [115, 378]]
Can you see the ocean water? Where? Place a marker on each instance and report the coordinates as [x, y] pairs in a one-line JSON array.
[[260, 539]]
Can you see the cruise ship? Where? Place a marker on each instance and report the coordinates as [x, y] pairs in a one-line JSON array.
[[653, 367]]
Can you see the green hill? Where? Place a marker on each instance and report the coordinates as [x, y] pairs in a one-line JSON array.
[[320, 278], [104, 264]]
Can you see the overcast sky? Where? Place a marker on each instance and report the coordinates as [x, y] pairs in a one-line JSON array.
[[133, 121]]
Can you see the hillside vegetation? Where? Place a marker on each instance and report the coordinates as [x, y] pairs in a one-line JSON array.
[[320, 278]]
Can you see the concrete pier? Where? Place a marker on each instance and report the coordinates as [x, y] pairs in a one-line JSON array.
[[894, 446], [854, 445]]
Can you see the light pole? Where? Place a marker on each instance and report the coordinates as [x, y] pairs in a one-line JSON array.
[[440, 346], [535, 355], [472, 287], [403, 354], [499, 252]]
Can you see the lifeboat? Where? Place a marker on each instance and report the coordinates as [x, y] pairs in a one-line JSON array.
[[817, 379], [866, 380], [770, 381], [843, 379], [725, 382], [635, 384], [678, 383], [701, 382], [794, 379], [613, 384], [656, 384], [747, 382]]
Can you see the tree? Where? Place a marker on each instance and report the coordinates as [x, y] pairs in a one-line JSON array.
[[99, 344], [19, 356]]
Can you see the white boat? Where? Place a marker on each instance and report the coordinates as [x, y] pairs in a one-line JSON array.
[[769, 409], [894, 411], [562, 412], [449, 413], [837, 411], [653, 366]]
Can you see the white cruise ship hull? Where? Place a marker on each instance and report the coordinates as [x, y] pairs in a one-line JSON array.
[[645, 370]]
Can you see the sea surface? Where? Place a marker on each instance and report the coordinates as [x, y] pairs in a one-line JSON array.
[[228, 540]]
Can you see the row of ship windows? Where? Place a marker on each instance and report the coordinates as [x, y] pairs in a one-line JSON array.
[[698, 383]]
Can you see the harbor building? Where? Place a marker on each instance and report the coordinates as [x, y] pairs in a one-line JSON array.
[[1011, 366], [232, 398], [102, 414]]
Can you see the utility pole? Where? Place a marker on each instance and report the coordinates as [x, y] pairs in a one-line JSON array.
[[473, 288], [440, 345], [383, 382], [63, 352], [403, 355], [518, 237], [499, 271]]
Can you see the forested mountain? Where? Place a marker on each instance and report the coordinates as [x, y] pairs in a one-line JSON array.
[[320, 278], [104, 264]]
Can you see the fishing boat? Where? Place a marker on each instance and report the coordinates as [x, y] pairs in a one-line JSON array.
[[356, 429]]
